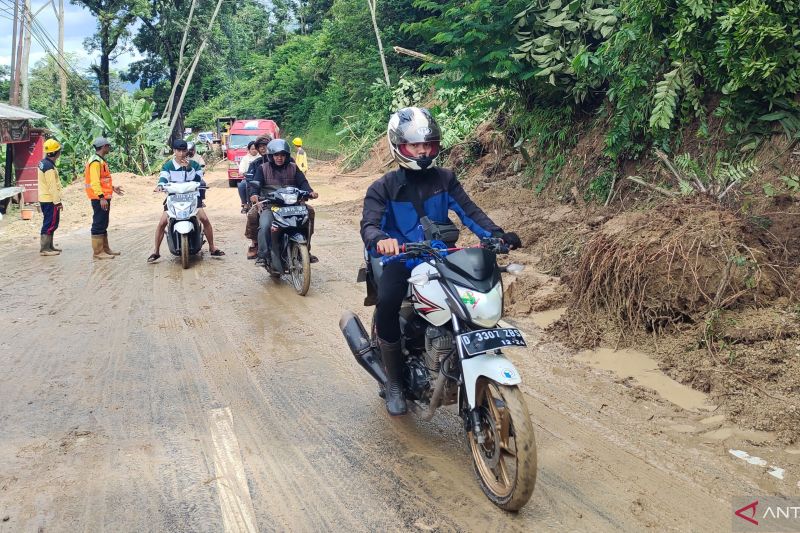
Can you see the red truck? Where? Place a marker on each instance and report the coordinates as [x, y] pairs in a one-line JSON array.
[[239, 136]]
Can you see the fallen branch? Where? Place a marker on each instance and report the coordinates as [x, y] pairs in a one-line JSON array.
[[418, 55], [680, 177], [640, 181]]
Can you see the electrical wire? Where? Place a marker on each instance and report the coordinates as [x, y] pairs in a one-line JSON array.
[[41, 36]]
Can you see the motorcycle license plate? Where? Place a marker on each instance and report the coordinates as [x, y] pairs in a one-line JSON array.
[[486, 340], [291, 210], [183, 197]]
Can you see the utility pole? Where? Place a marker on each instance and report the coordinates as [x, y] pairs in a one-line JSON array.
[[62, 70], [19, 18], [26, 55], [11, 96]]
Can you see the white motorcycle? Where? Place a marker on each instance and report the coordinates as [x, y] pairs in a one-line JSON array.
[[453, 347], [184, 232]]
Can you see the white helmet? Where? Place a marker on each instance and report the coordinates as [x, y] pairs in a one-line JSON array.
[[413, 125]]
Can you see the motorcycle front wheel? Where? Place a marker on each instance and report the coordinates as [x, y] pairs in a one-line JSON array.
[[185, 250], [300, 268], [505, 462]]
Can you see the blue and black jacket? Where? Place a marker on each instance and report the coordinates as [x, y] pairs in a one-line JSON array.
[[389, 210]]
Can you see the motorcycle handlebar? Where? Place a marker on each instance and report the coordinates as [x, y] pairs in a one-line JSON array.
[[301, 195], [414, 250]]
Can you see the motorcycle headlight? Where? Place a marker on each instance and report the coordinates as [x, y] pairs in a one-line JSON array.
[[289, 199], [182, 209], [486, 309]]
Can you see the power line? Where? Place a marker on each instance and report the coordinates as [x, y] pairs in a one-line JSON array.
[[43, 39]]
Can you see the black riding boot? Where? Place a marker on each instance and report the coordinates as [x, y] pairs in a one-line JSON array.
[[275, 257], [393, 362]]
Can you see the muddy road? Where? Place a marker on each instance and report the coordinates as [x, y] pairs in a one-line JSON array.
[[138, 397]]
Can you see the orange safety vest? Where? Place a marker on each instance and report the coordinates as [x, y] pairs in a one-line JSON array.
[[105, 179]]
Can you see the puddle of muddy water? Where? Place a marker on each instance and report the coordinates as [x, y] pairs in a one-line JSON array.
[[728, 432], [643, 369], [544, 319]]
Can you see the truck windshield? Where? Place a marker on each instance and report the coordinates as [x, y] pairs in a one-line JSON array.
[[240, 141]]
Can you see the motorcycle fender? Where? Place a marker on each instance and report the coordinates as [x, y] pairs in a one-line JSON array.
[[491, 366], [298, 238], [184, 226]]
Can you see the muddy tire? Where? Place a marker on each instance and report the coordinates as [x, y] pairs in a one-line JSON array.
[[505, 464], [185, 251], [233, 183], [300, 268]]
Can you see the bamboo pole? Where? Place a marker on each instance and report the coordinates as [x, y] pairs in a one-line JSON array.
[[177, 111], [372, 11], [179, 72]]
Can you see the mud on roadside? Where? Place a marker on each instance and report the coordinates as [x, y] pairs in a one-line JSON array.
[[718, 310]]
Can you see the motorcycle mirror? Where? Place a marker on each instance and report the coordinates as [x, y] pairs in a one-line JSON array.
[[419, 279], [514, 268]]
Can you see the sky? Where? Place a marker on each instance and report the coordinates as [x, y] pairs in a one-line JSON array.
[[79, 23]]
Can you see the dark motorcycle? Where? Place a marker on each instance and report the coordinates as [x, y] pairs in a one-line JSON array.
[[290, 220]]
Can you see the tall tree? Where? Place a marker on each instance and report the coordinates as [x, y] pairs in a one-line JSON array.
[[114, 18]]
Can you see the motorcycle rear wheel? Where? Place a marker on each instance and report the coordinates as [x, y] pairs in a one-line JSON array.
[[505, 463], [300, 268], [185, 250]]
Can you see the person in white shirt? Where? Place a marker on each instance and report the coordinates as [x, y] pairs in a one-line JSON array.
[[244, 165]]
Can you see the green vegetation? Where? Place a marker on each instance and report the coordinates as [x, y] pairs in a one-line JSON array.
[[648, 74]]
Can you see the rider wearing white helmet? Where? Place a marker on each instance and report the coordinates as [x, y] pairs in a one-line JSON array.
[[395, 209]]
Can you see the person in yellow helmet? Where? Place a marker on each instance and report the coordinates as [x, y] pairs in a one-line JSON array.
[[49, 196], [300, 159]]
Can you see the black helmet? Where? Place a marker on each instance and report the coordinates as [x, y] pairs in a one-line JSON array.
[[412, 125], [278, 146]]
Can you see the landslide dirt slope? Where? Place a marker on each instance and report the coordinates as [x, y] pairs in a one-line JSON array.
[[667, 305]]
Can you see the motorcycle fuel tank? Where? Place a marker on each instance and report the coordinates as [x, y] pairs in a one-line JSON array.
[[429, 299]]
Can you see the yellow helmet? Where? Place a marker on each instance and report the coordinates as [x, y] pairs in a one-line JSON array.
[[51, 146], [297, 141]]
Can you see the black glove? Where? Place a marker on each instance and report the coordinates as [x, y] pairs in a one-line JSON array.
[[512, 240]]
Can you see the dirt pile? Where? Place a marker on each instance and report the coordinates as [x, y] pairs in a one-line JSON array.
[[747, 360], [709, 291], [670, 265]]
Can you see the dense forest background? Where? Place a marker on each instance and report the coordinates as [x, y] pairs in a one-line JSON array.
[[649, 74]]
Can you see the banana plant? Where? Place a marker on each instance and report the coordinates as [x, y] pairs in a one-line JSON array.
[[129, 124]]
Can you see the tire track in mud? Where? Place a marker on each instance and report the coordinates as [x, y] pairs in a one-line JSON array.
[[354, 454]]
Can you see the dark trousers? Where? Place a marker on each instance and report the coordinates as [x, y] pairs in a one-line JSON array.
[[242, 186], [256, 222], [265, 235], [100, 218], [52, 216], [392, 289]]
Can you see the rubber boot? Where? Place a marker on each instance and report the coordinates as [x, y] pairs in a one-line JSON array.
[[45, 243], [53, 246], [275, 256], [97, 248], [106, 249], [393, 362]]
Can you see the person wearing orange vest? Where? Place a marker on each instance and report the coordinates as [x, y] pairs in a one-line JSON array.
[[100, 189]]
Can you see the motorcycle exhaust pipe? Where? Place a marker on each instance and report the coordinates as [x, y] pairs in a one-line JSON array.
[[366, 355], [436, 397]]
